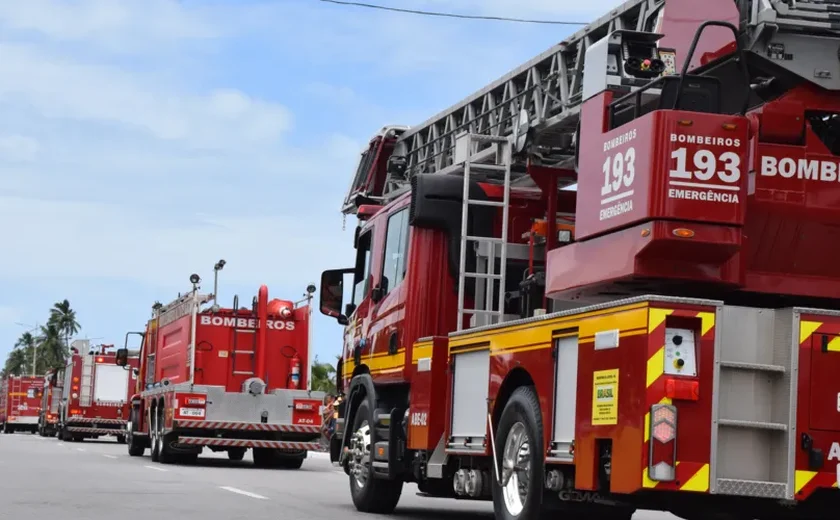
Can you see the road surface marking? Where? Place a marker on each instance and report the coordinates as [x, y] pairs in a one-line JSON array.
[[241, 492], [109, 456], [61, 444], [80, 449], [155, 468]]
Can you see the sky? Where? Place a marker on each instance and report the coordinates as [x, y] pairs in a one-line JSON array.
[[142, 141]]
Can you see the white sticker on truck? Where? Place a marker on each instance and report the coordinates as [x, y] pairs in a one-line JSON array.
[[245, 323], [191, 412]]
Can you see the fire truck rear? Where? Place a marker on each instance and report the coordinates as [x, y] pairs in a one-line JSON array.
[[226, 379], [94, 399], [50, 400], [665, 337], [20, 402]]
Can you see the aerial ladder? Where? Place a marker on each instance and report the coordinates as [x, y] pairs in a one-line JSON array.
[[522, 132]]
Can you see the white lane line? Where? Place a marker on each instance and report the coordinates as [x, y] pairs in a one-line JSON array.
[[155, 468], [61, 444], [80, 449], [109, 456], [241, 492]]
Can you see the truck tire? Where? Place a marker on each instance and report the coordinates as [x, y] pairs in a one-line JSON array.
[[370, 495], [154, 434], [120, 439], [135, 447], [165, 453], [237, 453], [519, 439], [289, 462]]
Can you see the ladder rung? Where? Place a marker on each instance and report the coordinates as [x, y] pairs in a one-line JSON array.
[[488, 167], [492, 240], [483, 275], [490, 203], [481, 311]]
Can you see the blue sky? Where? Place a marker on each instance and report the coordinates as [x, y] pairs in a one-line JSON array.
[[143, 140]]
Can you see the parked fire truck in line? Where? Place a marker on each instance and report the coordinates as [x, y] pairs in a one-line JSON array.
[[665, 337], [227, 379], [94, 401], [20, 400], [50, 401]]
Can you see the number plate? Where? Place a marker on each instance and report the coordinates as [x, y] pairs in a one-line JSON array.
[[191, 412]]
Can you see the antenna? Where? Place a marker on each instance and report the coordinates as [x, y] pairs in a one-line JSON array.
[[216, 268]]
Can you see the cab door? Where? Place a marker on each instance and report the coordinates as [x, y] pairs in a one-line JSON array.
[[825, 382]]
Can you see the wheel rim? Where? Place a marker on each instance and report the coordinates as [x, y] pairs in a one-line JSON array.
[[360, 455], [516, 469]]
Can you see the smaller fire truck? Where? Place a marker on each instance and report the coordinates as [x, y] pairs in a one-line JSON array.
[[20, 399], [227, 379], [50, 399], [94, 400]]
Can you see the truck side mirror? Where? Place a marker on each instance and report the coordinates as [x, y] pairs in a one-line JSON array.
[[122, 357], [332, 293]]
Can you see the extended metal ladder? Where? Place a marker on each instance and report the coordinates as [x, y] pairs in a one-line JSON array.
[[492, 310], [86, 393], [14, 392]]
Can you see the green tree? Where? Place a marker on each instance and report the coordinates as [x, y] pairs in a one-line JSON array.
[[15, 363], [52, 352], [323, 376], [64, 318]]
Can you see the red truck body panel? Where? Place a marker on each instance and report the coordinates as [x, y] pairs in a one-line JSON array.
[[95, 398], [20, 401], [226, 379]]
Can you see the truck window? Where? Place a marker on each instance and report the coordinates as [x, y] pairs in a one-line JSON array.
[[362, 278], [396, 244]]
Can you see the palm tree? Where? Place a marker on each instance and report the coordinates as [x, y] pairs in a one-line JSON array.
[[64, 317], [15, 363], [52, 352], [26, 345], [323, 376]]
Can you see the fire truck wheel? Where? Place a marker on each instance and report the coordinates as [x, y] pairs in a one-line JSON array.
[[120, 439], [237, 453], [370, 495], [153, 433], [519, 437]]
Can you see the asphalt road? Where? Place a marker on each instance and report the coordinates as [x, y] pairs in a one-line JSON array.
[[92, 480]]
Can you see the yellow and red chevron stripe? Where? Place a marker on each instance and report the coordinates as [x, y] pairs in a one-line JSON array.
[[690, 475], [806, 482]]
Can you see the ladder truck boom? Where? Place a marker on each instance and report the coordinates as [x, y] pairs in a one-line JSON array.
[[785, 42]]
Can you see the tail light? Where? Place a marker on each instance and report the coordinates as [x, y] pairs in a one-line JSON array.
[[662, 459]]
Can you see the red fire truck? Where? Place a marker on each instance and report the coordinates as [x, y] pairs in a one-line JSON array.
[[227, 379], [94, 401], [50, 400], [20, 402], [666, 336]]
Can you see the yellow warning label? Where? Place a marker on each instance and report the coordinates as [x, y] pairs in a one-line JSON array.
[[605, 397]]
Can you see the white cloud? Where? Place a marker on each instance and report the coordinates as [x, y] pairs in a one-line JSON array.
[[118, 25], [115, 241], [60, 88], [17, 149]]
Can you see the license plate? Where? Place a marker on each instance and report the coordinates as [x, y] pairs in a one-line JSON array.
[[191, 412]]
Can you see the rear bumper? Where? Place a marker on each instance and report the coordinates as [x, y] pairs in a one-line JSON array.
[[249, 443], [96, 431], [97, 422], [26, 420]]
